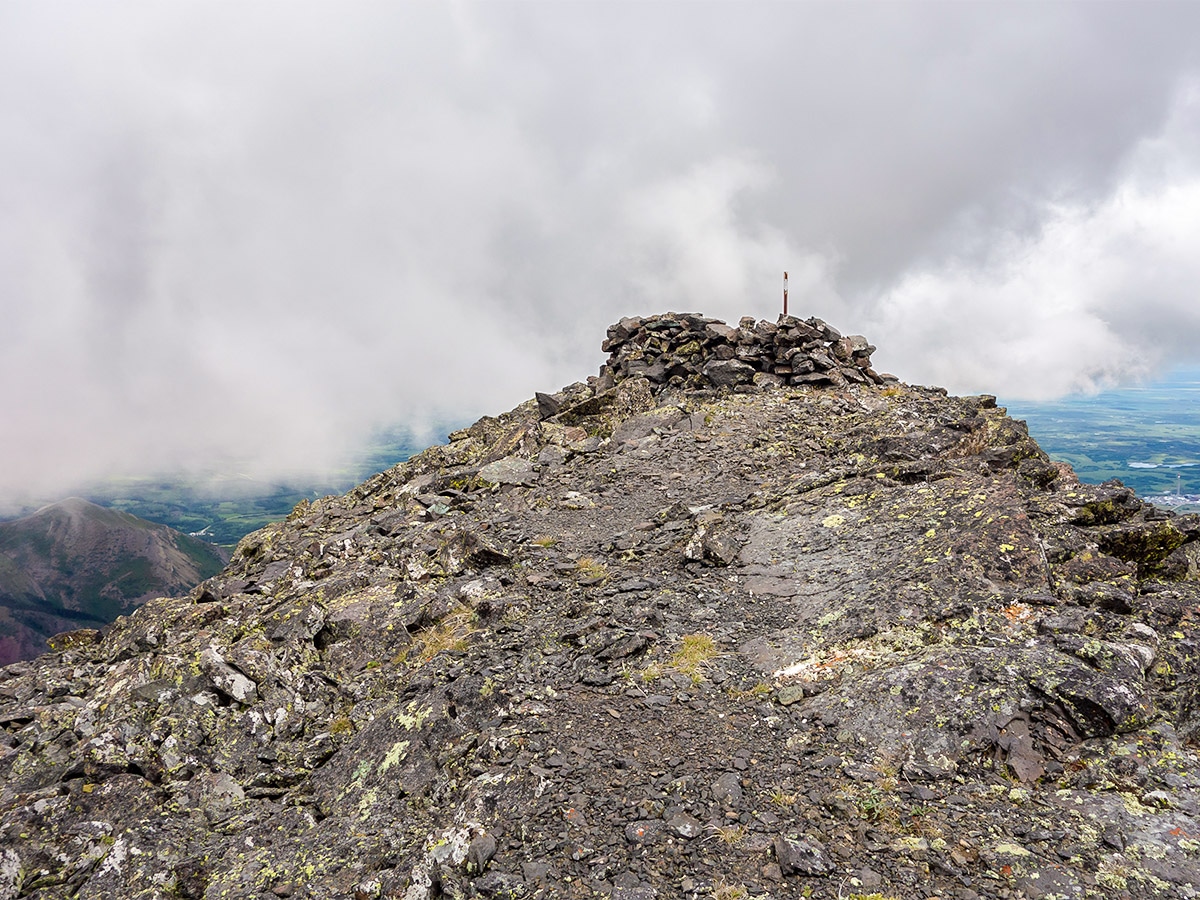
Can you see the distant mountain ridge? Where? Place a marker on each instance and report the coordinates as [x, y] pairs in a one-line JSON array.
[[74, 564]]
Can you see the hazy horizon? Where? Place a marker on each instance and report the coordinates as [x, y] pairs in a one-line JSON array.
[[263, 232]]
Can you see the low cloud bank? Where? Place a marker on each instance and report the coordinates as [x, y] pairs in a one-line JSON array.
[[252, 236]]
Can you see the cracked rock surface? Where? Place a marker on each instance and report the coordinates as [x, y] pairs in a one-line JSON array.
[[737, 617]]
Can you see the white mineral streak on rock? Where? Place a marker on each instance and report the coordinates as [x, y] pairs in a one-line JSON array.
[[448, 849], [10, 874], [115, 858], [226, 678]]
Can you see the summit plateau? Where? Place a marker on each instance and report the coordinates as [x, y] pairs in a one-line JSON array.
[[738, 617]]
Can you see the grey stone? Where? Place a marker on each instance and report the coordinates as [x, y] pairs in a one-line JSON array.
[[509, 470], [479, 853], [801, 857], [685, 825], [728, 372], [627, 886], [643, 831], [500, 885], [638, 427], [535, 872], [727, 789], [226, 679], [721, 331], [548, 405], [789, 694]]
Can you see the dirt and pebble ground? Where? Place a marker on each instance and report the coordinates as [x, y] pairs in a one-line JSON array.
[[740, 617]]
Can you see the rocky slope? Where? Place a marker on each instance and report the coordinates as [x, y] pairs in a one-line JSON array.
[[738, 617], [74, 564]]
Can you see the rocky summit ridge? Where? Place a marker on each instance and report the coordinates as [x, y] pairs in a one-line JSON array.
[[738, 617]]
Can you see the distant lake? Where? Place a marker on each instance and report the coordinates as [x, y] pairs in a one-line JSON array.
[[1148, 436]]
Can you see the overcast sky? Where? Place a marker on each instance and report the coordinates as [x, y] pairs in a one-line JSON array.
[[256, 232]]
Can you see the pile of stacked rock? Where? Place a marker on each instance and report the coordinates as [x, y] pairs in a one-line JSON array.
[[690, 351]]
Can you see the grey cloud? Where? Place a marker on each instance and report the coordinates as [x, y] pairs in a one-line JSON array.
[[255, 232]]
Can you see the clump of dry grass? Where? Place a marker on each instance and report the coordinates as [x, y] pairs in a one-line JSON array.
[[690, 659], [723, 890], [591, 570], [729, 834], [451, 633], [694, 653]]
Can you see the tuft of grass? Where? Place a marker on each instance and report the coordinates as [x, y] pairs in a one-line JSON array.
[[972, 444], [545, 541], [590, 569], [782, 798], [723, 890], [452, 633], [652, 672], [729, 834], [760, 690], [914, 820], [877, 803], [888, 768], [694, 652]]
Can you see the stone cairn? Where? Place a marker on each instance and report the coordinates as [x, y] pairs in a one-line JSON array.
[[686, 350]]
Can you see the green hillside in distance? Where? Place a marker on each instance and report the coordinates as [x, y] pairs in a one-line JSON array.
[[221, 511], [224, 506], [1147, 435], [74, 564]]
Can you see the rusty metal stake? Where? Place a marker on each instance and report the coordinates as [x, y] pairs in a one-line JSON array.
[[785, 293]]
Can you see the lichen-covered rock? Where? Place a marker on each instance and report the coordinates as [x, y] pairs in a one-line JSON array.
[[736, 615]]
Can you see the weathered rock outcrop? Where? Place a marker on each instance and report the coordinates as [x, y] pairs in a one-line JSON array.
[[703, 626]]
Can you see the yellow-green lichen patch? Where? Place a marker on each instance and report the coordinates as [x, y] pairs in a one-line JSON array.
[[413, 717], [393, 756]]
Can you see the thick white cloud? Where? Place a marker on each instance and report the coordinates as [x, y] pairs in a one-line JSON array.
[[1101, 293], [255, 232]]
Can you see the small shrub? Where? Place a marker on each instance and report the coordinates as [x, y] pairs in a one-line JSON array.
[[874, 805]]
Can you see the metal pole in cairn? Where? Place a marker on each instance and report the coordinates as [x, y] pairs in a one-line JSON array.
[[785, 293]]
